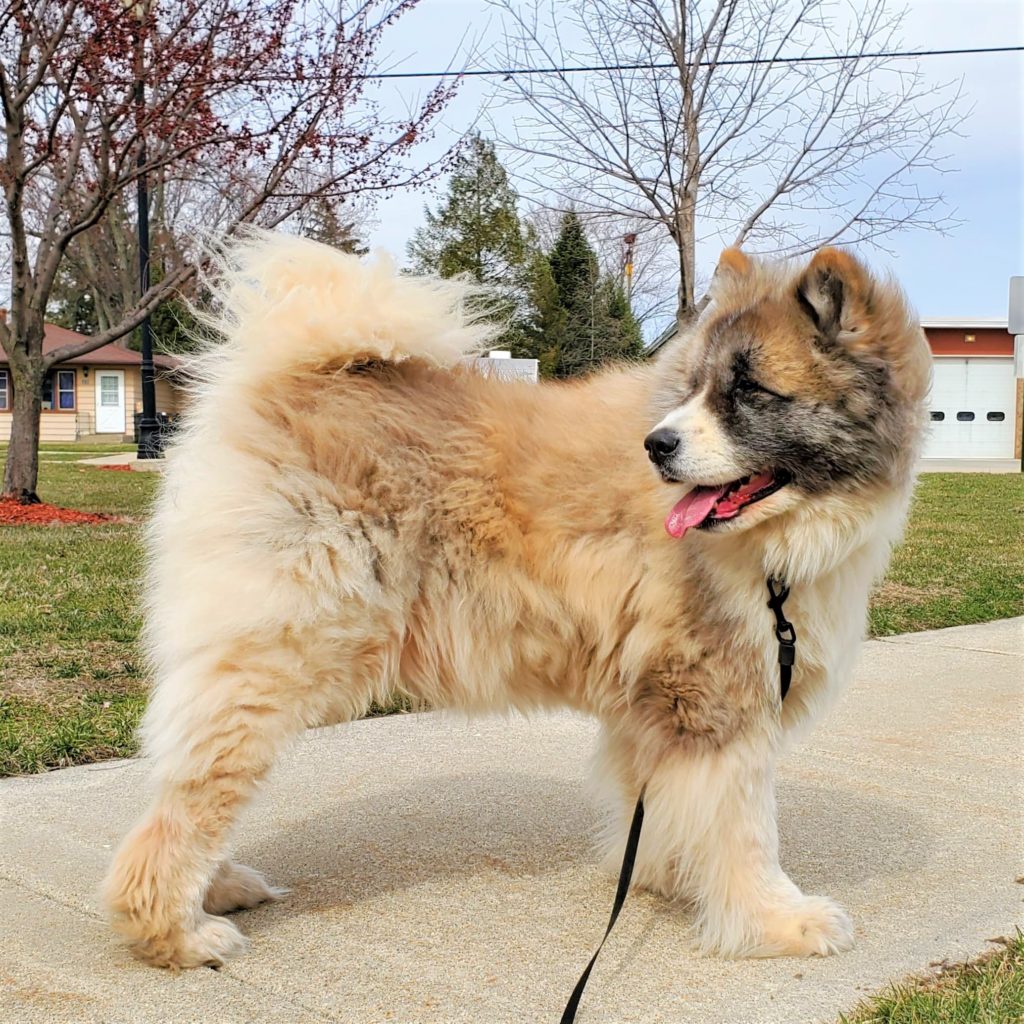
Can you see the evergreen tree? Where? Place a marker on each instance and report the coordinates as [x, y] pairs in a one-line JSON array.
[[594, 322], [174, 327], [477, 232], [575, 273], [324, 221], [625, 337], [548, 320], [72, 305]]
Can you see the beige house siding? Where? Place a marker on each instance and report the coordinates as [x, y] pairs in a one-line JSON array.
[[169, 398], [132, 398], [86, 402], [55, 427], [64, 427]]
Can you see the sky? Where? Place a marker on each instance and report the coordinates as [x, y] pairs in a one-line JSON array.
[[962, 274]]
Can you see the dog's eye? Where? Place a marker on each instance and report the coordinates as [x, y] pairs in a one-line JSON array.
[[754, 388]]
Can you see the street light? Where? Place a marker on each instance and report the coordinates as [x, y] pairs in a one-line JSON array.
[[149, 428]]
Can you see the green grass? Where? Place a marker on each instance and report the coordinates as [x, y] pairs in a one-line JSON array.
[[962, 559], [989, 990], [92, 448], [71, 683], [67, 728], [97, 490]]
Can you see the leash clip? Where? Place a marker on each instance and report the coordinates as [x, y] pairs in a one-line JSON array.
[[785, 633], [787, 648]]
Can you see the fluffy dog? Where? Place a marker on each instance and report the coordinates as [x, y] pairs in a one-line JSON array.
[[349, 512]]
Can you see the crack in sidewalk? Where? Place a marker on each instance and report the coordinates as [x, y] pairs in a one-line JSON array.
[[945, 647]]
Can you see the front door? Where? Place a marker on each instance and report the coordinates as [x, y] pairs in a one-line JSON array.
[[110, 402]]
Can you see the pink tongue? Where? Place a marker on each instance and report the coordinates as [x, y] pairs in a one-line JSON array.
[[730, 507], [692, 508]]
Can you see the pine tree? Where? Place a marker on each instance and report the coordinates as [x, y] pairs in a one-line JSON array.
[[548, 317], [323, 221], [594, 323], [575, 273], [626, 340], [477, 232]]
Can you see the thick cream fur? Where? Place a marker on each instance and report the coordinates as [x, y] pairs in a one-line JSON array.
[[346, 514]]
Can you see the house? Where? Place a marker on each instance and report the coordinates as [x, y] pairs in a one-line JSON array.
[[92, 397], [977, 402]]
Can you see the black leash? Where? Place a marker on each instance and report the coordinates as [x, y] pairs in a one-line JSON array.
[[786, 636], [784, 633], [625, 877]]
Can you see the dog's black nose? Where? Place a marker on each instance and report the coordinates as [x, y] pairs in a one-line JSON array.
[[660, 444]]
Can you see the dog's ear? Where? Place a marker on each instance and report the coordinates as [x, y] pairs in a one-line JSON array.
[[835, 292], [733, 263], [866, 317], [734, 268]]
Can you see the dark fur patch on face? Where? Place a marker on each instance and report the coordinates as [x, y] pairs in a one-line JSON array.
[[795, 400]]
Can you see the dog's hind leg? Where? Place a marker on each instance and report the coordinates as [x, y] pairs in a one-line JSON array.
[[237, 887], [214, 728], [710, 836]]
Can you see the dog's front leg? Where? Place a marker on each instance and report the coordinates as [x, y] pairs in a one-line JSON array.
[[710, 837]]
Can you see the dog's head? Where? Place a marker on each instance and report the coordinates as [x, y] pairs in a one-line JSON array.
[[793, 385]]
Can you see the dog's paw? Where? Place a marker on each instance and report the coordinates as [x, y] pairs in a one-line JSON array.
[[796, 926], [811, 926], [213, 942], [237, 887]]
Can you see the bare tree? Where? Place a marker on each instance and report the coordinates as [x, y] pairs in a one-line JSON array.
[[261, 104], [714, 124]]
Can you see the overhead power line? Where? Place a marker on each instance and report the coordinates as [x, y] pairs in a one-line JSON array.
[[748, 61]]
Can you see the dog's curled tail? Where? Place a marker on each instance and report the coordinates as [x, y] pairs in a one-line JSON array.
[[288, 303]]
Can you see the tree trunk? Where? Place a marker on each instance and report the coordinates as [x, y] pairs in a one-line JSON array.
[[21, 471], [683, 236]]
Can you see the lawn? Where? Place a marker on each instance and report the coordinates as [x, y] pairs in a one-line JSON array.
[[962, 559], [71, 683], [989, 990]]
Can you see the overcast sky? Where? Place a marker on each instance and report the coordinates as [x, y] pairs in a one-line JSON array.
[[963, 274]]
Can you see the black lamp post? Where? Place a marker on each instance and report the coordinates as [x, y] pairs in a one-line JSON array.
[[149, 428]]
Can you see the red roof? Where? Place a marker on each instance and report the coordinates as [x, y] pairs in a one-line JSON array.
[[105, 355]]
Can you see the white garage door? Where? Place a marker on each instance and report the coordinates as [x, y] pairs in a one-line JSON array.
[[972, 409]]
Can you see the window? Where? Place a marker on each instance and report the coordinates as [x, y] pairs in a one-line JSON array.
[[59, 390], [110, 390], [938, 416], [965, 417], [996, 417], [66, 390], [5, 390]]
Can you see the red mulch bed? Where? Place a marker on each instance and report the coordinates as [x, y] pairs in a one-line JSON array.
[[123, 469], [13, 513]]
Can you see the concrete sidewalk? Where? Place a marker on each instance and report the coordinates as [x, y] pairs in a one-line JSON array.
[[440, 870], [130, 459], [969, 466]]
